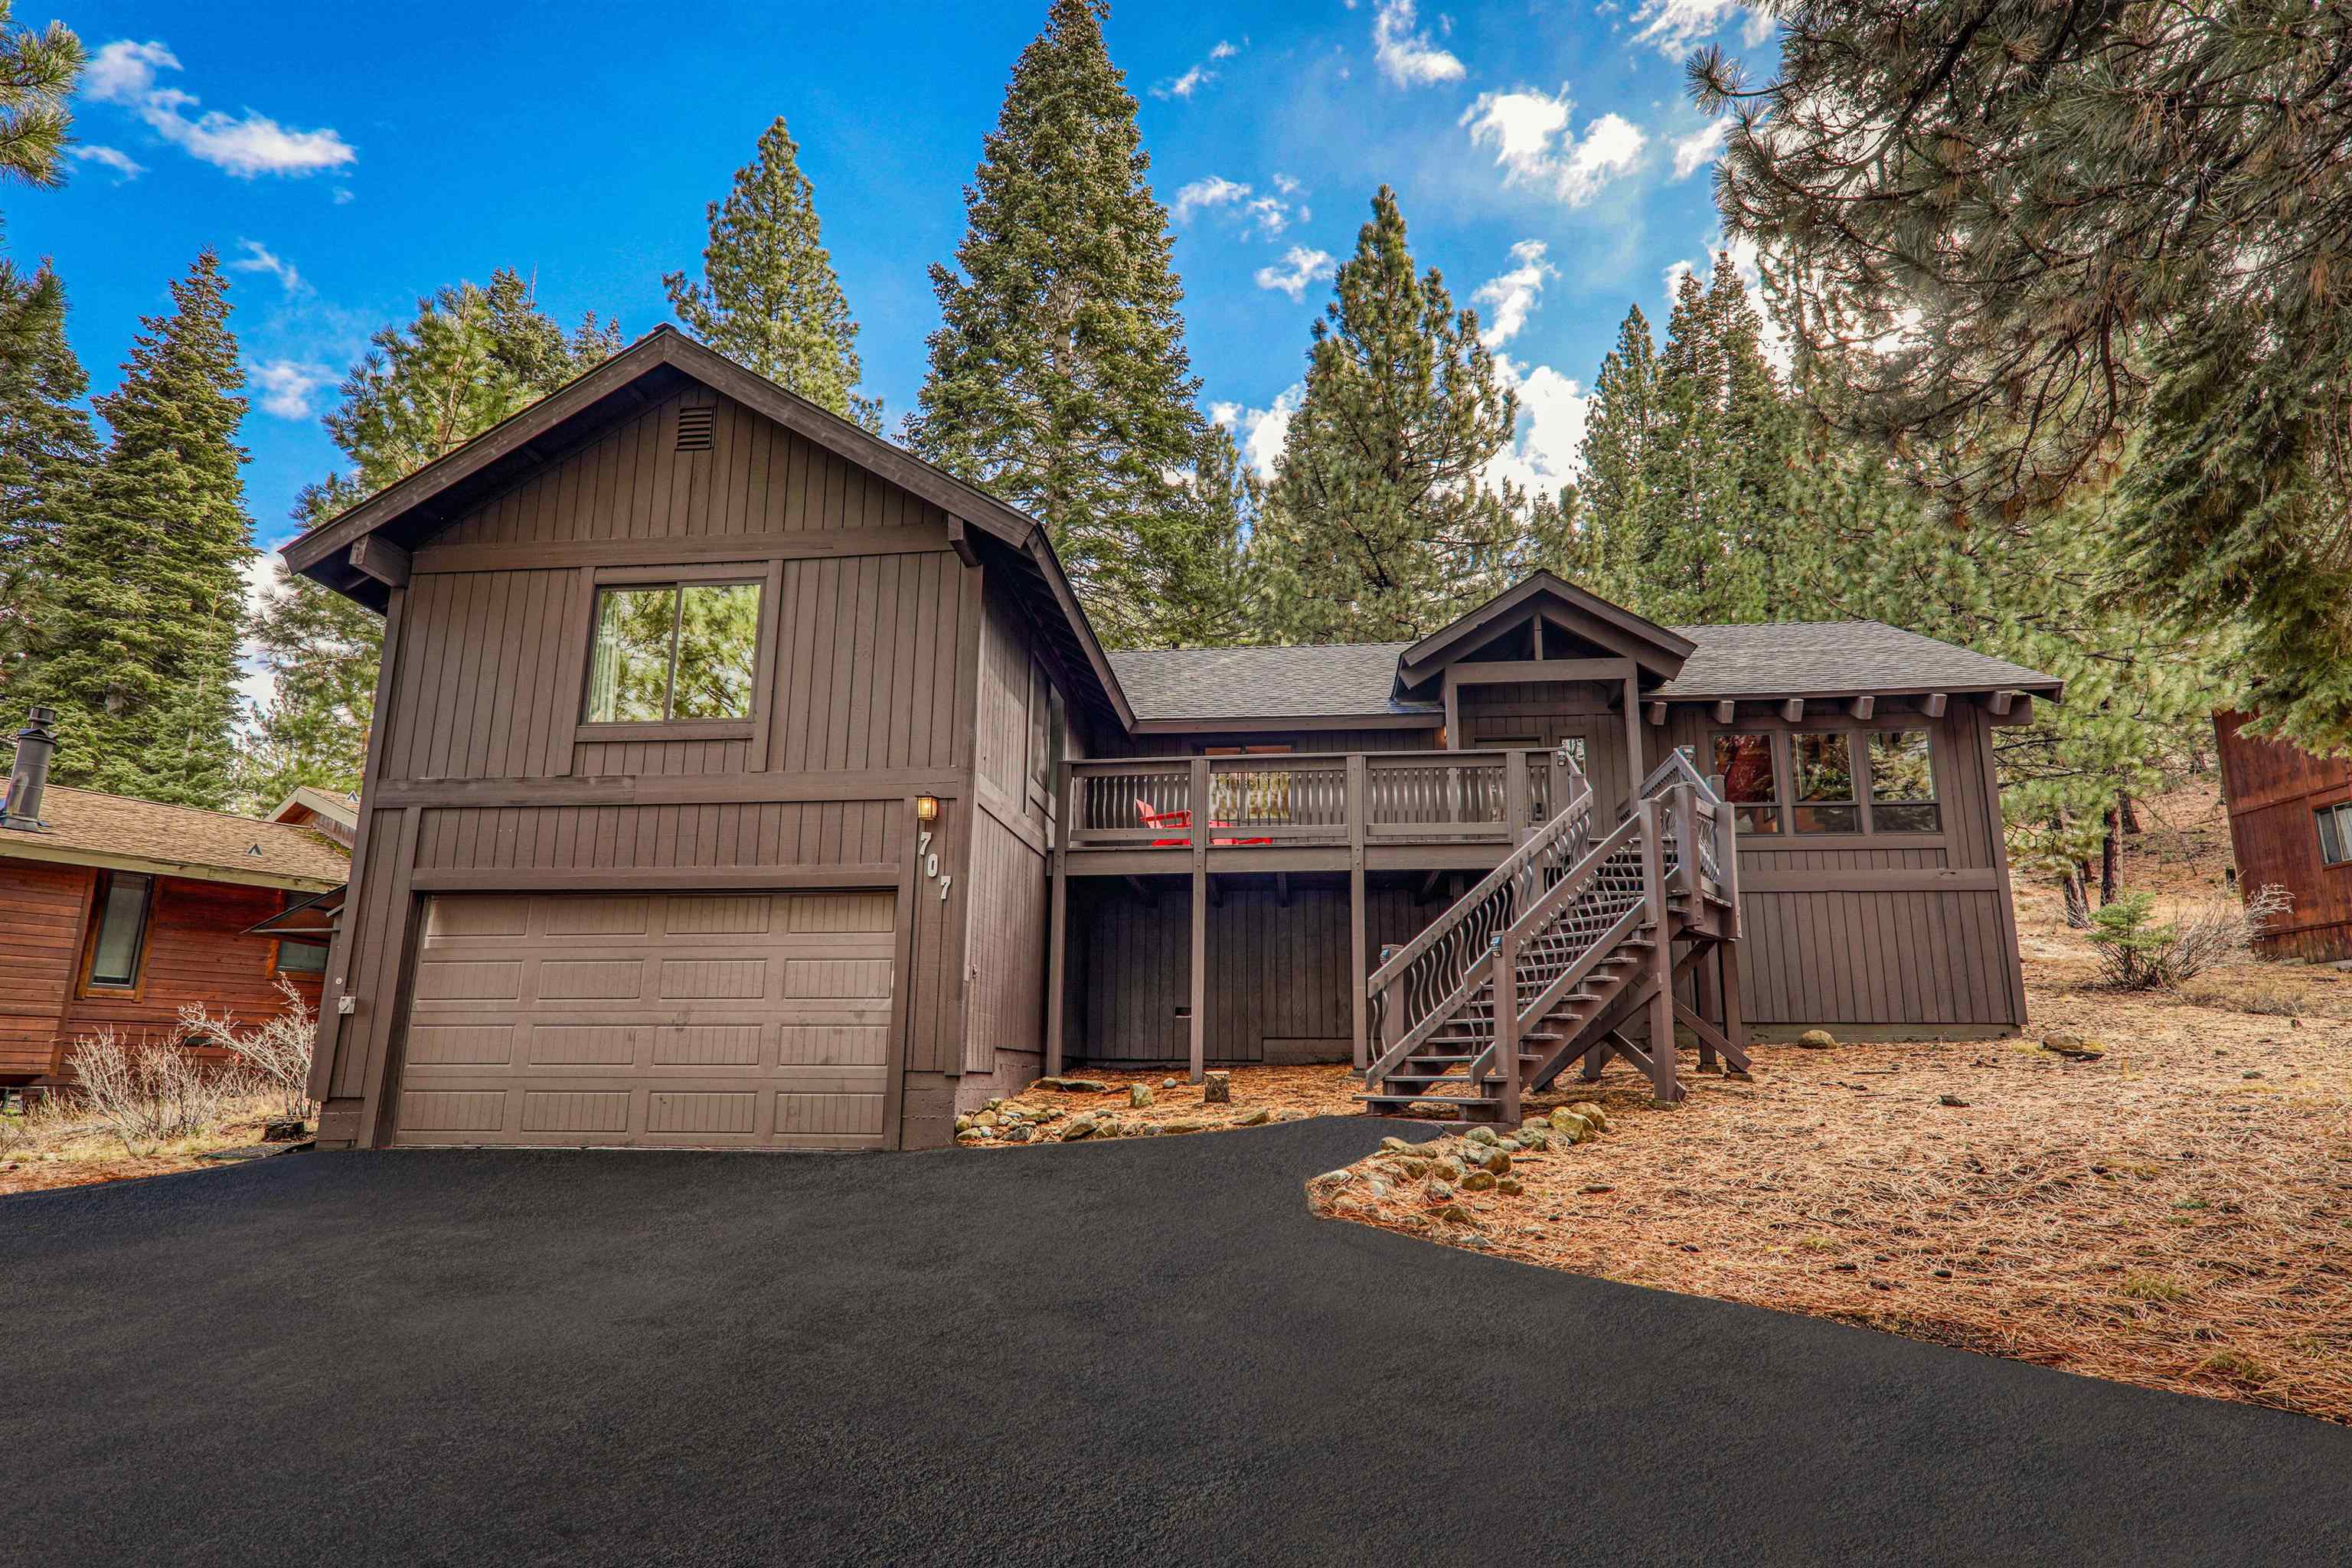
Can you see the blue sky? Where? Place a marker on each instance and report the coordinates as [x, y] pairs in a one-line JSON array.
[[347, 159]]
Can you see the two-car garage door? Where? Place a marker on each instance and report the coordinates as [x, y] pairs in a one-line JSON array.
[[676, 1019]]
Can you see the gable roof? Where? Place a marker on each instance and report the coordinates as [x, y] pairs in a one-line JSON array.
[[85, 827], [341, 810], [413, 509], [1773, 660], [1659, 649]]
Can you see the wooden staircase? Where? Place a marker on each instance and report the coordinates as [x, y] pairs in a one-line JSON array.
[[1581, 935]]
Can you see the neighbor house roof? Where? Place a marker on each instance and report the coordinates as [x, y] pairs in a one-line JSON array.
[[1778, 659], [83, 827], [342, 810]]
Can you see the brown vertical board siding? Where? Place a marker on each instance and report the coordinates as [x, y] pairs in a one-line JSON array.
[[42, 910], [1004, 1011]]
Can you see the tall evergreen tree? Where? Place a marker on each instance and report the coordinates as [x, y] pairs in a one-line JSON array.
[[1620, 424], [769, 297], [1195, 561], [2072, 237], [1381, 522], [47, 452], [138, 652], [1058, 375], [471, 356], [37, 72]]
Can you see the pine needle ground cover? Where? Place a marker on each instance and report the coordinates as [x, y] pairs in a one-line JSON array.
[[58, 1144]]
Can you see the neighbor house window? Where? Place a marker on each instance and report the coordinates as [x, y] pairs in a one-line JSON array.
[[674, 651], [118, 940], [296, 957], [1745, 761], [1902, 783], [2334, 833], [1822, 763]]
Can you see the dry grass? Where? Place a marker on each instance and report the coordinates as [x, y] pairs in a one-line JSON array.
[[2177, 1214], [58, 1143]]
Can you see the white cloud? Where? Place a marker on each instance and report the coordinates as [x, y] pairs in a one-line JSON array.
[[343, 196], [1299, 268], [256, 684], [125, 166], [1260, 432], [259, 258], [286, 386], [1542, 456], [1198, 76], [1216, 191], [1529, 132], [1267, 215], [1287, 185], [123, 72], [1674, 26], [1407, 58], [1511, 297], [1700, 148]]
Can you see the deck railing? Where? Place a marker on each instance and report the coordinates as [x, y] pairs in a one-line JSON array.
[[1294, 798]]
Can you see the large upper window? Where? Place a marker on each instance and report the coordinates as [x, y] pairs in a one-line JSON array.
[[2334, 833], [674, 651], [1745, 761], [117, 939]]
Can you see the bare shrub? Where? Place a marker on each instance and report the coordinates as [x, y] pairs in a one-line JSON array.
[[2137, 954], [277, 1052], [148, 1094]]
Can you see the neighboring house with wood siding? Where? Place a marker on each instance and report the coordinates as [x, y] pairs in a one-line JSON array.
[[2290, 826], [115, 913], [739, 779]]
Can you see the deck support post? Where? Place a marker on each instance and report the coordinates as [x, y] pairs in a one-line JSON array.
[[1359, 942], [1198, 833], [1514, 798], [1634, 766], [1704, 985], [1504, 987], [1662, 957], [1057, 959]]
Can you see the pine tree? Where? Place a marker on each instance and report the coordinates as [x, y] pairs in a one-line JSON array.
[[1620, 423], [1194, 558], [2079, 239], [37, 72], [1381, 523], [472, 357], [138, 650], [47, 452], [768, 299], [1058, 376]]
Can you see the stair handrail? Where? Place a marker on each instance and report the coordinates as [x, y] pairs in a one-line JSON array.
[[1513, 866], [1676, 767]]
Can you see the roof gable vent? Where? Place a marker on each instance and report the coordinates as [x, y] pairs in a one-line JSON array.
[[695, 427]]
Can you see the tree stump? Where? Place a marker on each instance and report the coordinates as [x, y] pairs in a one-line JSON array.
[[1218, 1089]]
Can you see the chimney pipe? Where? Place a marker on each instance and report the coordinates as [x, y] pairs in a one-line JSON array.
[[36, 742]]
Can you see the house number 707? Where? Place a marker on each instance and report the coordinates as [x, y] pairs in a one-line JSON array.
[[931, 863]]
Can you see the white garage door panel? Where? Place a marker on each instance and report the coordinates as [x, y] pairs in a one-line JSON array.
[[733, 1020]]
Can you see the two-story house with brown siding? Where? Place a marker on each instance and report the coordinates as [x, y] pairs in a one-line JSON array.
[[739, 779]]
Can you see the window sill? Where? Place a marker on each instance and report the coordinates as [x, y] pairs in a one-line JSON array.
[[680, 730], [1843, 840]]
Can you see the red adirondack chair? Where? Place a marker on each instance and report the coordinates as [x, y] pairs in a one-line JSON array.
[[1168, 821]]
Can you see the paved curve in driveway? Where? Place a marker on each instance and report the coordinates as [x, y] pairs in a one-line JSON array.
[[1141, 1351]]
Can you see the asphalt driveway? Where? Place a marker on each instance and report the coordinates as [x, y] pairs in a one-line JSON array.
[[1143, 1351]]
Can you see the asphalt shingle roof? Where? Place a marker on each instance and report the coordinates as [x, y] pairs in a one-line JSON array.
[[177, 837], [1357, 680]]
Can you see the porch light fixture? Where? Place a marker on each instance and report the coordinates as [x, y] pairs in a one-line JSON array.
[[927, 809]]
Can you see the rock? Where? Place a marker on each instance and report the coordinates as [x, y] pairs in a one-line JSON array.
[[1332, 1179], [1816, 1039], [1599, 1187], [985, 1119], [1139, 1095], [964, 1125], [1075, 1085], [1186, 1124], [1499, 1162], [1479, 1135], [1106, 1128], [1439, 1192], [1568, 1124], [2073, 1047], [1454, 1213], [1448, 1168], [1594, 1117], [1258, 1116], [1168, 1083], [1346, 1202], [972, 1135], [1479, 1182], [1050, 1113], [1079, 1128], [1217, 1089], [1018, 1133], [1952, 1099], [1536, 1142], [1395, 1146], [991, 1102], [1416, 1169], [1375, 1188], [1510, 1186]]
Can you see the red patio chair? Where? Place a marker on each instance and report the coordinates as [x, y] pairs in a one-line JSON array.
[[1163, 821]]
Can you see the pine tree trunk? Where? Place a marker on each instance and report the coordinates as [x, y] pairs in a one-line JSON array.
[[2130, 808], [2110, 854], [2078, 900]]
